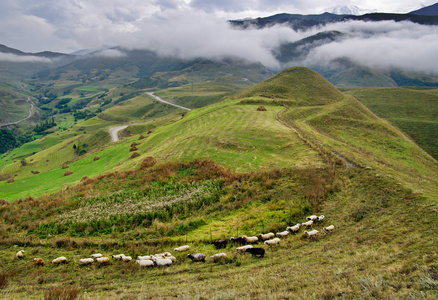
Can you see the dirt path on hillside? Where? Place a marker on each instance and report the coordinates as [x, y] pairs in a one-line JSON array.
[[164, 101], [114, 132], [28, 116]]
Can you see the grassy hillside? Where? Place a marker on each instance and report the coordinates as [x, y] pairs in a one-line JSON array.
[[227, 170], [412, 110]]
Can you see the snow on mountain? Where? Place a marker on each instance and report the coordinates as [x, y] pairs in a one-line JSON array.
[[348, 10]]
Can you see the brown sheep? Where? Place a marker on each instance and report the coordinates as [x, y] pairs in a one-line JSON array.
[[39, 261]]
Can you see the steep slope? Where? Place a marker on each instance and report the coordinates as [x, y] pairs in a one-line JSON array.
[[226, 170], [297, 86], [431, 10]]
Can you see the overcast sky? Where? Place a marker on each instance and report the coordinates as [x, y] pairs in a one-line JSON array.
[[191, 28]]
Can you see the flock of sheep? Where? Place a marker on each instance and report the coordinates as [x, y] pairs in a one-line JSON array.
[[166, 258]]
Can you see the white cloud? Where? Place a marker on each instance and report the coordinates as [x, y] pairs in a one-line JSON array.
[[383, 45], [18, 58]]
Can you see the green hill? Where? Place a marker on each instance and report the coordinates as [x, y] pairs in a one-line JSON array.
[[297, 86], [231, 169]]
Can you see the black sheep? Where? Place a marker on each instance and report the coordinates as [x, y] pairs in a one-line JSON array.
[[220, 243], [238, 240], [256, 251], [197, 257]]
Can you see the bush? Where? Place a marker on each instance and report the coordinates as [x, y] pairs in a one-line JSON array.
[[148, 162], [134, 155], [4, 280], [61, 293], [68, 172]]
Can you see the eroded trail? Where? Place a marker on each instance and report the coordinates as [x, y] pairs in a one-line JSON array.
[[164, 101], [28, 116], [114, 132]]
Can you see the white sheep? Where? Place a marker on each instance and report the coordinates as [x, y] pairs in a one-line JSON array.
[[103, 260], [320, 218], [145, 257], [307, 224], [59, 260], [329, 228], [182, 248], [172, 258], [283, 233], [250, 239], [243, 248], [163, 262], [167, 254], [272, 242], [96, 255], [217, 256], [126, 258], [266, 236], [311, 234], [117, 256], [312, 218], [294, 228], [144, 262], [20, 254], [86, 261]]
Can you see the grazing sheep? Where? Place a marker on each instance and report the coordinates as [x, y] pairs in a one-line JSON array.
[[250, 239], [197, 257], [86, 261], [272, 242], [238, 240], [59, 260], [329, 229], [103, 260], [145, 257], [311, 234], [39, 261], [167, 254], [283, 233], [172, 258], [308, 224], [217, 256], [145, 262], [97, 255], [256, 251], [266, 236], [126, 258], [294, 228], [118, 256], [243, 248], [20, 254], [163, 262], [320, 218], [182, 248], [312, 218], [220, 243]]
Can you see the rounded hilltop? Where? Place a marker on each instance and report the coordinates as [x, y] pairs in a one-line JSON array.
[[297, 85]]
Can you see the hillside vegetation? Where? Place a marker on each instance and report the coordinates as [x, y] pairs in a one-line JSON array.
[[226, 170]]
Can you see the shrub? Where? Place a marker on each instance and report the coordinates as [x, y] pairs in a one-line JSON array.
[[148, 162], [133, 149], [35, 172], [96, 158], [134, 155], [10, 180], [141, 137], [65, 166], [4, 280], [261, 108], [68, 172], [61, 293]]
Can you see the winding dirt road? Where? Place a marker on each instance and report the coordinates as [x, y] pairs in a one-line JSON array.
[[114, 132], [28, 116], [164, 101]]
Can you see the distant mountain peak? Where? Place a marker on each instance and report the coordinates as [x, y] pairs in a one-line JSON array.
[[348, 10]]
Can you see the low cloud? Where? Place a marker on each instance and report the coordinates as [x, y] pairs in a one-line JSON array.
[[383, 45], [17, 58]]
